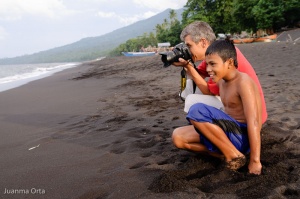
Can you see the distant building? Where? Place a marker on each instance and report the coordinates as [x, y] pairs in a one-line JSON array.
[[165, 44]]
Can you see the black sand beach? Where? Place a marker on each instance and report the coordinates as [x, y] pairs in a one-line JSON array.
[[103, 130]]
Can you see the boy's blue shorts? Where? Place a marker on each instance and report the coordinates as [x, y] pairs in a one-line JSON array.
[[235, 131]]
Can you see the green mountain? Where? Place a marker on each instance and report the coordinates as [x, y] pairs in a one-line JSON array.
[[94, 47]]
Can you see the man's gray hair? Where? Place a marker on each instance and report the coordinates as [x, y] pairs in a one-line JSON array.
[[198, 30]]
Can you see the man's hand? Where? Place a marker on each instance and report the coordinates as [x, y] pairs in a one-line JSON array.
[[181, 62], [255, 168]]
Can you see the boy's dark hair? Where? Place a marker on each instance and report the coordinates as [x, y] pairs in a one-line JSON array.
[[224, 48]]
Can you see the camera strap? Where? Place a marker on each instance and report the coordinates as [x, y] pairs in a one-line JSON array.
[[183, 82], [194, 84], [194, 87]]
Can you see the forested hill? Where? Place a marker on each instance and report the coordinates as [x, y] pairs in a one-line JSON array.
[[94, 47]]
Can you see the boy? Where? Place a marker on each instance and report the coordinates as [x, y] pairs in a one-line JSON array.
[[236, 131]]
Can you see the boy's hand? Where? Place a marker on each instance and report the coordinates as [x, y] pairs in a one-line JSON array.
[[255, 168]]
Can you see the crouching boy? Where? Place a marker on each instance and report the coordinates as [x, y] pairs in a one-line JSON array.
[[234, 132]]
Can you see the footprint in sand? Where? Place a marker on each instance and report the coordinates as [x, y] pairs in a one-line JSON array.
[[139, 165], [145, 154], [118, 150]]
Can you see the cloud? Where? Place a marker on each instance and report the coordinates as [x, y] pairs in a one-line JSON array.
[[64, 21], [126, 20], [129, 20], [3, 33], [138, 9], [106, 14], [149, 14], [161, 5], [130, 11], [16, 9]]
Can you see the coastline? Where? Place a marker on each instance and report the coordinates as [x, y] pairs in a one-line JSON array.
[[40, 71], [103, 130]]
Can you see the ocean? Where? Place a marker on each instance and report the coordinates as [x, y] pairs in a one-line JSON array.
[[12, 76]]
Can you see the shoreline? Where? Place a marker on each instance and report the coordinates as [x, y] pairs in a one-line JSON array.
[[103, 130], [25, 78]]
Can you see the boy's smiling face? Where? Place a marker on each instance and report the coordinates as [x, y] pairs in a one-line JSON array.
[[216, 68]]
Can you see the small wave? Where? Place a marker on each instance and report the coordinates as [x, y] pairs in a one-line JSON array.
[[16, 80]]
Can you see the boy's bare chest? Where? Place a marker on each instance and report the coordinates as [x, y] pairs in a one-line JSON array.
[[229, 95]]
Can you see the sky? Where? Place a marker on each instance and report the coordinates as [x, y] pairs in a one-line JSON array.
[[31, 26]]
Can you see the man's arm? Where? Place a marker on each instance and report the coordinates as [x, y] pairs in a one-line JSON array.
[[197, 78], [252, 110]]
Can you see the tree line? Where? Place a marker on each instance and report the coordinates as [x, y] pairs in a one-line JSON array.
[[224, 16]]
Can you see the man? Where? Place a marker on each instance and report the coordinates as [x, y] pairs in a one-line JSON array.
[[198, 36]]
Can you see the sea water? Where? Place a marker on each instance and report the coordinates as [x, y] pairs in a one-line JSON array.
[[12, 76]]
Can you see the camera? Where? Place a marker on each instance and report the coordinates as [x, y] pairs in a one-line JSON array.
[[179, 51]]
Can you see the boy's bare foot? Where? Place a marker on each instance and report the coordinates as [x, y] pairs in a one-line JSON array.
[[236, 163]]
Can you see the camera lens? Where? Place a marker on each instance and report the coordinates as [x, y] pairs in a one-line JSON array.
[[167, 58], [179, 51]]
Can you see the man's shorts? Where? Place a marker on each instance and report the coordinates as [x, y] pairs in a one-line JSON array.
[[235, 131]]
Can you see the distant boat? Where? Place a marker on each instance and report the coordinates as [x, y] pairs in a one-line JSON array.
[[136, 54], [243, 40], [268, 38]]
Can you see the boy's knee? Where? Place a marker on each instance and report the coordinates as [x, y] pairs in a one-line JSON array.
[[177, 138]]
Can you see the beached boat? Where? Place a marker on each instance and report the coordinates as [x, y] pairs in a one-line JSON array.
[[243, 40], [268, 38], [136, 54]]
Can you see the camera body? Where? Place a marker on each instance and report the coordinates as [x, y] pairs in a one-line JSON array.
[[179, 51]]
